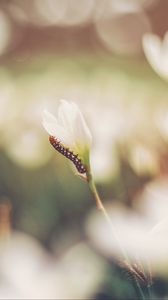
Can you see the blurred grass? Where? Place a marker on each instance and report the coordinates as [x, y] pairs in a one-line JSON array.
[[98, 66]]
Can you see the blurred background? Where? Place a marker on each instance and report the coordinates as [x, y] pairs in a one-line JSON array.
[[53, 244]]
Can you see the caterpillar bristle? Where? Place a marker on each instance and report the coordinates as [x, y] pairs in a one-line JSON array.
[[68, 154], [133, 272]]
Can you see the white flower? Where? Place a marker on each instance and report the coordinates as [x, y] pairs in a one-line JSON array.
[[142, 233], [71, 130], [30, 272], [156, 52]]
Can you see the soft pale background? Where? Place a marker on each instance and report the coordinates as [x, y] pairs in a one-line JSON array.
[[88, 51]]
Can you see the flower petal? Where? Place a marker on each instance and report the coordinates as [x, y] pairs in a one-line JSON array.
[[81, 131], [53, 128], [164, 55], [71, 119], [48, 117], [152, 48], [70, 128], [49, 123], [66, 115]]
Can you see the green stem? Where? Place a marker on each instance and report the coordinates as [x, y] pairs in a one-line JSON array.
[[138, 290], [101, 207], [149, 289]]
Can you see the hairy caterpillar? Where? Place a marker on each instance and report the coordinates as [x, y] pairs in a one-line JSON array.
[[68, 154]]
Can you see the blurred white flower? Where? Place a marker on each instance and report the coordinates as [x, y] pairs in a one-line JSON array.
[[107, 133], [161, 121], [153, 200], [17, 145], [29, 272], [71, 130], [118, 32], [143, 159], [156, 52], [104, 162], [143, 234]]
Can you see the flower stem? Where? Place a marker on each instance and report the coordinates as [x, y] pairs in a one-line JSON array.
[[101, 207], [138, 290]]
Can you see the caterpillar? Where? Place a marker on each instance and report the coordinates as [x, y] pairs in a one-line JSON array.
[[68, 154]]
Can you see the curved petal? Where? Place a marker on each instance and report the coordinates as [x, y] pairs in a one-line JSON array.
[[164, 55], [66, 115], [64, 136], [152, 48], [49, 122], [70, 127], [53, 128], [48, 117], [165, 43], [59, 132], [81, 131]]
